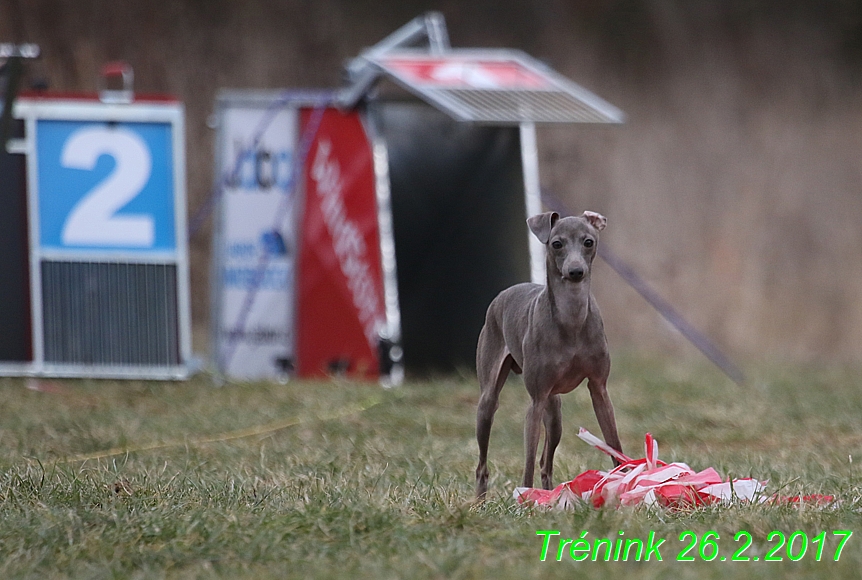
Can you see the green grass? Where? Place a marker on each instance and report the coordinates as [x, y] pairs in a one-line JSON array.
[[364, 483]]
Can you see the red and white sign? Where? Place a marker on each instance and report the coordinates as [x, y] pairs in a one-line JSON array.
[[340, 305], [465, 73]]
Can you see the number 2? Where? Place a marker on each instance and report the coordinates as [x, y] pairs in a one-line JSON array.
[[772, 555], [746, 538], [93, 220], [682, 556]]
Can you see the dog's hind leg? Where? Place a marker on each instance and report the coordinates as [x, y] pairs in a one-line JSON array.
[[553, 432], [492, 377]]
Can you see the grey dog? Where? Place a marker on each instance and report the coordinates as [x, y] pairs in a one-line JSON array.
[[554, 335]]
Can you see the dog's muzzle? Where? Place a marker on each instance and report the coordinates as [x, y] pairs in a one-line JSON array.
[[575, 274]]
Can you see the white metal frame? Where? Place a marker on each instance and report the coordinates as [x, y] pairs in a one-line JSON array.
[[167, 112]]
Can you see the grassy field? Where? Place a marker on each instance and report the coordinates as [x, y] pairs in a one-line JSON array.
[[340, 480]]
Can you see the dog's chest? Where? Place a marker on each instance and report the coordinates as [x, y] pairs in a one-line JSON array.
[[571, 369], [564, 364]]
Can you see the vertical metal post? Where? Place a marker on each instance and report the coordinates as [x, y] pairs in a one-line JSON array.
[[532, 198], [392, 332], [216, 254], [183, 281], [35, 247]]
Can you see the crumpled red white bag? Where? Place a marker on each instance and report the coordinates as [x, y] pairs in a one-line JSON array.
[[649, 481]]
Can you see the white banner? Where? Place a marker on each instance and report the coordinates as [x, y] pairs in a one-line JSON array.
[[255, 241]]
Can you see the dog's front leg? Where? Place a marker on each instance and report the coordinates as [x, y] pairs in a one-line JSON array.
[[553, 432], [532, 431], [605, 413]]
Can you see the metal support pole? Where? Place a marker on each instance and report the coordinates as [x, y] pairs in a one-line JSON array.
[[533, 198]]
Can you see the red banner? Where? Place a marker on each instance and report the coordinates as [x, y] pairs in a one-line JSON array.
[[340, 306], [466, 73]]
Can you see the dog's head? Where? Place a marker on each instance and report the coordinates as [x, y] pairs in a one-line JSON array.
[[571, 242]]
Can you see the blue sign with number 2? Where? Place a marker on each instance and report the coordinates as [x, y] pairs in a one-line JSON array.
[[105, 186]]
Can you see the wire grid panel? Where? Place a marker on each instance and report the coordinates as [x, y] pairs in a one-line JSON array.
[[102, 313], [506, 106]]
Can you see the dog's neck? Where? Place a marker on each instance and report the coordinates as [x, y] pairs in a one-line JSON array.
[[569, 301]]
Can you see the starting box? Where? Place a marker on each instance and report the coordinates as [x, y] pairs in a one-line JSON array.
[[96, 276]]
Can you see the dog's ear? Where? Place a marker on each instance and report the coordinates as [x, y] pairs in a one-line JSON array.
[[541, 225], [596, 220]]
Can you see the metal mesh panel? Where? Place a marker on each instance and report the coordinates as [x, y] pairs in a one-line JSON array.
[[110, 313], [509, 106]]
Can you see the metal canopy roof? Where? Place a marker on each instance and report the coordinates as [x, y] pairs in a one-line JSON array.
[[495, 86], [491, 86]]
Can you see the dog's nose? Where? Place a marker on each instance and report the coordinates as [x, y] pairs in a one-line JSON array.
[[576, 274]]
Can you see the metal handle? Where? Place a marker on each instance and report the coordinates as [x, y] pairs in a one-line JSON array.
[[113, 70]]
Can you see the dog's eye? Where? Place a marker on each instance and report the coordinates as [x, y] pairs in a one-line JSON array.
[[588, 243], [556, 244]]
